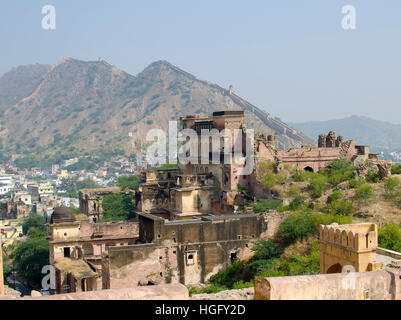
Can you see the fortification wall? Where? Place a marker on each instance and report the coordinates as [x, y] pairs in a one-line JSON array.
[[347, 245], [375, 285], [160, 292]]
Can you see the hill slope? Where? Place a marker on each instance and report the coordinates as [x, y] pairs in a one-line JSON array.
[[80, 107]]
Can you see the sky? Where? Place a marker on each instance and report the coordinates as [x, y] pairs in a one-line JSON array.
[[291, 58]]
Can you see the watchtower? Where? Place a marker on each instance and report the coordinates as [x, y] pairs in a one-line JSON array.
[[348, 245]]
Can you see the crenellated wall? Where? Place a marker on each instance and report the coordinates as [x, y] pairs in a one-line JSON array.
[[347, 245]]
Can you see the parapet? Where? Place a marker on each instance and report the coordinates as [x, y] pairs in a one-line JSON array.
[[174, 291], [376, 285], [356, 237]]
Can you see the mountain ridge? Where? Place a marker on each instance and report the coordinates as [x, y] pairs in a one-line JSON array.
[[82, 106]]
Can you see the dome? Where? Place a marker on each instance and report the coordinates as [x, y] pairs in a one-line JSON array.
[[61, 215]]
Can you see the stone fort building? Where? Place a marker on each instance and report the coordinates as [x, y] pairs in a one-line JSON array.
[[187, 225]]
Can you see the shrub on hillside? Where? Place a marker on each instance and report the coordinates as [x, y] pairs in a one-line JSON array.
[[390, 237], [297, 203], [355, 183], [269, 180], [335, 195], [301, 176], [338, 171], [363, 192], [294, 190], [344, 208], [264, 205], [236, 271], [373, 176], [396, 169], [295, 264], [390, 187], [317, 185], [301, 224]]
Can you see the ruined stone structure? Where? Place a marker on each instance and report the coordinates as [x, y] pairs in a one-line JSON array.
[[76, 248], [14, 209], [197, 189], [181, 251], [372, 163], [351, 246], [329, 148]]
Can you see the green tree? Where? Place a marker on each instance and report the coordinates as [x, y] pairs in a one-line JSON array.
[[73, 185], [129, 182], [31, 255], [117, 207], [33, 221]]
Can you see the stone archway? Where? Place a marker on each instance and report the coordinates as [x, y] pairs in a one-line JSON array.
[[310, 169], [335, 268]]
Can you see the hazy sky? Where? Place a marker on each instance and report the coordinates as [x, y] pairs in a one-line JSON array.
[[291, 58]]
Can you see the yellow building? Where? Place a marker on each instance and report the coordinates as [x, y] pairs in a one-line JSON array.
[[46, 189], [62, 175]]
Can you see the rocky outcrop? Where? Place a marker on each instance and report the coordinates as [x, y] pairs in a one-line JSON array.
[[363, 168]]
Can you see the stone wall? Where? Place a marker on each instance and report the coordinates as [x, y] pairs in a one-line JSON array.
[[160, 292], [347, 245], [187, 251], [375, 285]]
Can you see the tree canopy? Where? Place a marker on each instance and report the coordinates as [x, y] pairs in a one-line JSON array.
[[117, 207], [33, 221], [31, 256], [130, 182]]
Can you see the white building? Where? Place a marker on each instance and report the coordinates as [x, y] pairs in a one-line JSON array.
[[6, 184]]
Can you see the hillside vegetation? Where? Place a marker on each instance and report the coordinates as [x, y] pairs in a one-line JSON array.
[[332, 195]]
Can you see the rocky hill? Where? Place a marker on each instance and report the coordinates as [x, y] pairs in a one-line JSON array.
[[78, 107]]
